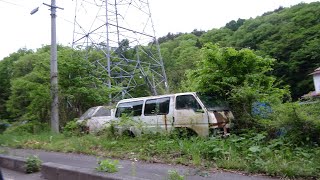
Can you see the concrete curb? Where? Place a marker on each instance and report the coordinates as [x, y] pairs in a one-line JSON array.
[[54, 171], [13, 163]]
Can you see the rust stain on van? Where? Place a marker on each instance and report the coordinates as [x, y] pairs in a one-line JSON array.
[[165, 122], [222, 118]]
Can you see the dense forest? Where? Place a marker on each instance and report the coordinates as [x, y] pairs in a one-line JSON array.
[[288, 36]]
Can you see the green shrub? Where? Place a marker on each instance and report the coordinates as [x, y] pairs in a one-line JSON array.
[[127, 126], [3, 125], [72, 128], [33, 164], [108, 131], [298, 123], [108, 165], [127, 121], [174, 175], [27, 127]]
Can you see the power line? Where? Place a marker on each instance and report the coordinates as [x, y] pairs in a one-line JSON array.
[[12, 3]]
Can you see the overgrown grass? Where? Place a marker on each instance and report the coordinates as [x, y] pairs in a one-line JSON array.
[[286, 146], [252, 153]]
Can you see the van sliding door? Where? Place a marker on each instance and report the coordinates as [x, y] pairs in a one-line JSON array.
[[156, 114]]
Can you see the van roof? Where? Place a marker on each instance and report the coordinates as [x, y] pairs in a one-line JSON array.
[[154, 97]]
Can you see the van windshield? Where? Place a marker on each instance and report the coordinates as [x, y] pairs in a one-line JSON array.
[[213, 103], [88, 114], [103, 111]]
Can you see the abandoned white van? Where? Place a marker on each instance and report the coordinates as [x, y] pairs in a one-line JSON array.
[[97, 118], [200, 114]]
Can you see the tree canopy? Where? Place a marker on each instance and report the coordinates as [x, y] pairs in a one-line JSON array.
[[253, 57], [29, 87], [289, 35], [240, 77]]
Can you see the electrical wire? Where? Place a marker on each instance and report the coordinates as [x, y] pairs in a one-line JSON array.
[[12, 3]]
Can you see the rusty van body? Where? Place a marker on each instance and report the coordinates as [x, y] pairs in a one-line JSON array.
[[200, 114]]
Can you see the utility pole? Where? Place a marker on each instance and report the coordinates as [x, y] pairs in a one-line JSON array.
[[53, 69], [54, 72]]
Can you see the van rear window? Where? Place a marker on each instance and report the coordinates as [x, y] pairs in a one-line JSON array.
[[157, 106], [130, 108]]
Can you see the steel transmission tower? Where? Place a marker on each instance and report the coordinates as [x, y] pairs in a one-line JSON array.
[[122, 34]]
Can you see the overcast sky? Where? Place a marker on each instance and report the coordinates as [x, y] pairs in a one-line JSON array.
[[19, 29]]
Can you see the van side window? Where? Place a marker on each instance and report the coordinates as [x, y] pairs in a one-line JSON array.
[[187, 102], [130, 108], [157, 106]]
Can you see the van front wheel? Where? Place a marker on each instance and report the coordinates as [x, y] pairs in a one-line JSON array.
[[128, 133]]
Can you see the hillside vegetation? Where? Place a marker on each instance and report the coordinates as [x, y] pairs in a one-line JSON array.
[[266, 60], [289, 35]]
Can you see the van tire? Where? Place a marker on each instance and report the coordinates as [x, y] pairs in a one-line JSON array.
[[128, 133]]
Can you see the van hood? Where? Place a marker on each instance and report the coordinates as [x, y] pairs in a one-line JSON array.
[[218, 109]]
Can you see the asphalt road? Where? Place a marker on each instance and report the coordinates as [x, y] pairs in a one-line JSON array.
[[14, 175], [154, 171]]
